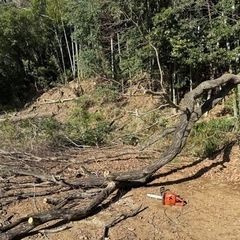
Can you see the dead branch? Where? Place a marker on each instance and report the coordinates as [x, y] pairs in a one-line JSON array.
[[54, 230], [92, 181], [25, 225], [49, 101], [23, 195], [16, 118], [71, 196], [75, 144], [14, 155], [28, 156], [157, 138], [114, 155], [120, 218]]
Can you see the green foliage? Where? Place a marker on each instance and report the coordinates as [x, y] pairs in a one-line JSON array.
[[48, 128], [82, 127], [130, 139], [9, 133], [83, 17], [105, 93], [27, 134], [88, 128], [112, 39], [229, 105], [209, 136], [26, 53], [86, 101], [202, 41], [154, 121]]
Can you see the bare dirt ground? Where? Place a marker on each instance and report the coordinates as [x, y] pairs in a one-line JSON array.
[[211, 188]]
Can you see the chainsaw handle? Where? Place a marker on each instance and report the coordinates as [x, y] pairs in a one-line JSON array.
[[163, 190]]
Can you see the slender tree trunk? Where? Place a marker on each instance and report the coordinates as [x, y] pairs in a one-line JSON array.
[[73, 57], [236, 103], [68, 48], [62, 56], [77, 60], [190, 79], [173, 89], [112, 58], [120, 60]]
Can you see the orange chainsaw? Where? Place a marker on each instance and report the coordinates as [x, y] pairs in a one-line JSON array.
[[168, 197]]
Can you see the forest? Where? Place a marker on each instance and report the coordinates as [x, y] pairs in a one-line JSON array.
[[47, 42]]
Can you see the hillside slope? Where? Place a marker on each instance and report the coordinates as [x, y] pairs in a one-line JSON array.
[[211, 186]]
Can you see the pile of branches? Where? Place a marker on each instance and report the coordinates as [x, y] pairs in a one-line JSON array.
[[93, 190]]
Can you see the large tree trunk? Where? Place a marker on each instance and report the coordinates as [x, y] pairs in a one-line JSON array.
[[190, 114]]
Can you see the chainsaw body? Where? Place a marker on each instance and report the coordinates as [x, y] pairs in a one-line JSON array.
[[170, 198]]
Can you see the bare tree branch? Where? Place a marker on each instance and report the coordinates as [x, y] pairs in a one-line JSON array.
[[119, 219]]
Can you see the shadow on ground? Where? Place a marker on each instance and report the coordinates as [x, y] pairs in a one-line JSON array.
[[226, 150]]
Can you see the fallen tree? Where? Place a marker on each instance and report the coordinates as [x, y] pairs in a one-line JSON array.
[[63, 211]]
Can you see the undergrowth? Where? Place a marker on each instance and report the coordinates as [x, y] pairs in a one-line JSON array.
[[88, 124], [82, 128], [209, 136], [28, 134]]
